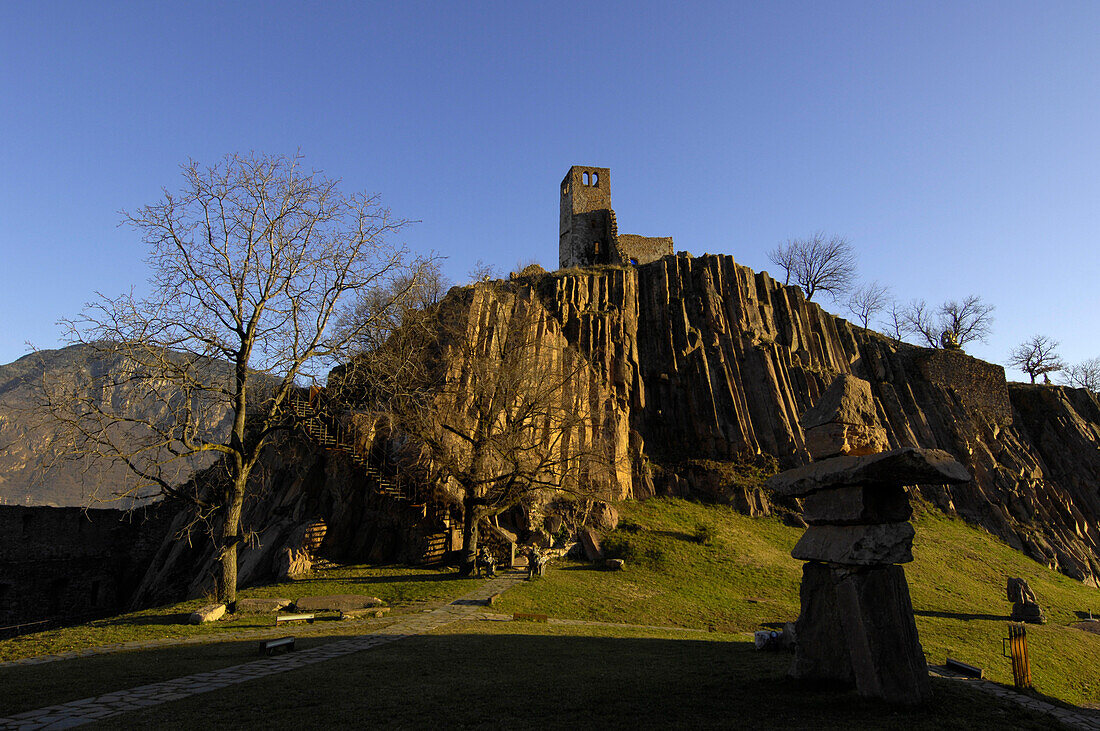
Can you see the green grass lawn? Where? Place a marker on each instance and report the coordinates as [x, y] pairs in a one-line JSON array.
[[688, 565], [517, 675], [404, 588], [743, 578]]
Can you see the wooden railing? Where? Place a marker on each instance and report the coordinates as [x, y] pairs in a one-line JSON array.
[[311, 414]]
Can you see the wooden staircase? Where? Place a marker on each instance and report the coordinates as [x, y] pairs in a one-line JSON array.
[[439, 542], [308, 413], [332, 437]]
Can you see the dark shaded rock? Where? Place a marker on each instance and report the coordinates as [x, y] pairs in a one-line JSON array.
[[821, 652], [603, 517], [857, 505], [590, 542], [1018, 590], [336, 603], [857, 627], [897, 467], [1029, 612], [615, 564], [876, 615], [857, 545]]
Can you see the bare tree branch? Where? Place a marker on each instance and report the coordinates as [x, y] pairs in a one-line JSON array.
[[819, 263], [1037, 356], [868, 301], [255, 263]]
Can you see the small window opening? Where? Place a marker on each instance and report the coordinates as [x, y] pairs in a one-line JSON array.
[[584, 179], [634, 262], [565, 189], [595, 178], [596, 248]]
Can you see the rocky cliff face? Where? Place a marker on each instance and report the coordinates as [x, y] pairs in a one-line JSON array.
[[712, 361], [699, 367]]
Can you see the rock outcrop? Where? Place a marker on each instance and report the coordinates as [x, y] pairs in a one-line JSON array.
[[859, 533], [699, 367]]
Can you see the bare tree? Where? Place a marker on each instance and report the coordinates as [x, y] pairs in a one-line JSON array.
[[504, 415], [253, 262], [819, 263], [895, 324], [786, 256], [1036, 356], [968, 320], [955, 323], [868, 300], [1085, 374], [917, 320]]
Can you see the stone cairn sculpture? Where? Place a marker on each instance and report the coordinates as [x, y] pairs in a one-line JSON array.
[[856, 625], [1025, 607]]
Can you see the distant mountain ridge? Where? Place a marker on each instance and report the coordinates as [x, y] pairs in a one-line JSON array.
[[32, 469]]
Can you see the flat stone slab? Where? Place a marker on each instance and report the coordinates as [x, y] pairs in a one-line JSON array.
[[857, 506], [209, 613], [376, 612], [857, 545], [336, 603], [261, 606], [898, 467]]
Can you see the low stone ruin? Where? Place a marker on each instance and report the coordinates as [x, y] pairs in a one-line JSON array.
[[1025, 607], [856, 625]]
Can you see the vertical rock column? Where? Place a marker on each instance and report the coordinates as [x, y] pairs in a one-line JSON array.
[[856, 624]]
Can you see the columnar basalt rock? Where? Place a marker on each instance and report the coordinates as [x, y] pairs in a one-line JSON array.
[[856, 623], [700, 364]]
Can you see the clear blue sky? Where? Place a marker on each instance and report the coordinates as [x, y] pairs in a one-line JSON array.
[[957, 145]]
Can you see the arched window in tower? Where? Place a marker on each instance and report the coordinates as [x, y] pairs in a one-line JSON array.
[[596, 252], [584, 179], [595, 179]]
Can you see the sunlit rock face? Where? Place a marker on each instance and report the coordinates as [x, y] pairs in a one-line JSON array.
[[696, 364], [707, 359]]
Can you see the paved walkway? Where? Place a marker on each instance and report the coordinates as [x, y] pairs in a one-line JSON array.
[[1074, 718], [77, 713]]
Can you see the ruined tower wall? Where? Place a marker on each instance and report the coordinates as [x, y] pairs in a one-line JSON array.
[[584, 231]]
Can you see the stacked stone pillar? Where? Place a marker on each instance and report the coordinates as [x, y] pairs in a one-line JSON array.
[[856, 625]]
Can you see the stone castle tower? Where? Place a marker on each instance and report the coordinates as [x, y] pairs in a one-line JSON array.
[[588, 232]]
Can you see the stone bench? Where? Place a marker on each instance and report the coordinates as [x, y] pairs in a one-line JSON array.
[[281, 619], [268, 647]]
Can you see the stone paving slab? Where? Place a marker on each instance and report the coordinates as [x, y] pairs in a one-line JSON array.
[[87, 710], [1081, 718]]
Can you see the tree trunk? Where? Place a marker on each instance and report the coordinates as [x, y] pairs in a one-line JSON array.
[[227, 578], [469, 536]]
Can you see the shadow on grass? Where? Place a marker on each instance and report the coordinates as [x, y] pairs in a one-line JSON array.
[[436, 577], [529, 679], [151, 619], [959, 615]]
